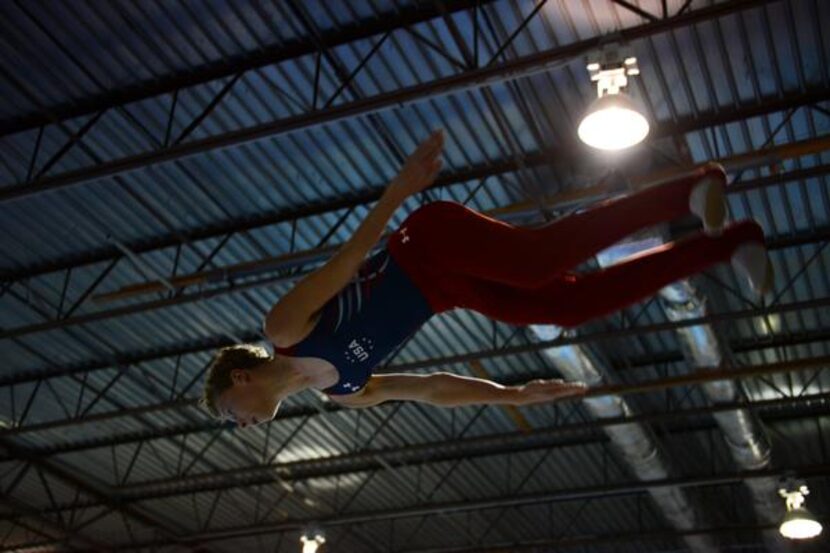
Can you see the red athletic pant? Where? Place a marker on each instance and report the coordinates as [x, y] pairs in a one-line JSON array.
[[460, 258]]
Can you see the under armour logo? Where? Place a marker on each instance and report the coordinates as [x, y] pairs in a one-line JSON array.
[[404, 237]]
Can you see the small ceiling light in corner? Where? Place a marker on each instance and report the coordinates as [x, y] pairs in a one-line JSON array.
[[613, 121], [799, 523], [312, 540]]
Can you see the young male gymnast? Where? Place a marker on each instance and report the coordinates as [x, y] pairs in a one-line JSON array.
[[342, 320]]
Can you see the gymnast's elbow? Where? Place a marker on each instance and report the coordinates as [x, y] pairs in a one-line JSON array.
[[277, 327]]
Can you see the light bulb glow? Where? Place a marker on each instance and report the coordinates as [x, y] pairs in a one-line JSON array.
[[800, 525], [612, 123]]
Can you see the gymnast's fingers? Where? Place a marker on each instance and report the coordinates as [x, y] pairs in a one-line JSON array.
[[571, 389], [431, 146]]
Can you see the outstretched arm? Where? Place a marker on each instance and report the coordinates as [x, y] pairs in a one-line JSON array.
[[291, 318], [451, 390]]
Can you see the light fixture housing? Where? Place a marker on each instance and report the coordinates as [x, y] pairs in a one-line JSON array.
[[798, 523], [312, 541], [613, 121]]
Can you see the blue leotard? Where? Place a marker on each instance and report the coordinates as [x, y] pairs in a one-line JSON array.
[[365, 322]]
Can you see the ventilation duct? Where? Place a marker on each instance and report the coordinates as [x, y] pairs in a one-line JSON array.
[[744, 436], [634, 441], [743, 433]]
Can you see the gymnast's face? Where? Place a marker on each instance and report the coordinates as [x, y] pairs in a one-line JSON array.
[[248, 401]]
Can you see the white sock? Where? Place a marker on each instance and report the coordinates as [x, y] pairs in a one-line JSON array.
[[750, 260], [706, 201]]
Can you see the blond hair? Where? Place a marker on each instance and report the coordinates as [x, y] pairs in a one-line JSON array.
[[218, 377]]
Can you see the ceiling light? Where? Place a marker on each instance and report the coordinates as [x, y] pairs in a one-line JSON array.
[[799, 523], [613, 121], [312, 541]]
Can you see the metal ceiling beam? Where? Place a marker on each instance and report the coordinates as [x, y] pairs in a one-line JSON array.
[[568, 435], [339, 461], [513, 69], [613, 539], [68, 536], [573, 435], [273, 217], [176, 404], [497, 167], [126, 358], [403, 16], [606, 335], [285, 414], [575, 494], [210, 344], [67, 477], [182, 299], [521, 209], [568, 542], [215, 342], [461, 358], [250, 476], [772, 156]]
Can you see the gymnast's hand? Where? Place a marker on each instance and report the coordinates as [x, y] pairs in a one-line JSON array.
[[538, 391], [292, 318], [420, 169]]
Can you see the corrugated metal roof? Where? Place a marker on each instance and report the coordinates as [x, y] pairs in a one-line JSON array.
[[96, 390]]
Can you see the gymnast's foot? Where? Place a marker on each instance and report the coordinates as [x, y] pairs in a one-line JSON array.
[[708, 199], [540, 391], [752, 262]]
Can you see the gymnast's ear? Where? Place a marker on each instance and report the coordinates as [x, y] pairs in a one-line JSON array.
[[240, 376]]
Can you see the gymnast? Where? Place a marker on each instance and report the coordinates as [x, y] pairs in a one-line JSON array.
[[342, 320]]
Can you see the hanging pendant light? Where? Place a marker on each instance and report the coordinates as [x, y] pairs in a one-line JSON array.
[[613, 121], [312, 540], [799, 523]]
